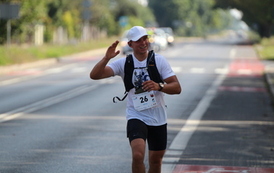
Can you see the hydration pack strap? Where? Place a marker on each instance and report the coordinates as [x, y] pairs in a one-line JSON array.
[[118, 98]]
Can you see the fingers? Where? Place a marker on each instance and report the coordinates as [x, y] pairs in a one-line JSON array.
[[111, 53], [149, 85], [114, 45], [117, 52]]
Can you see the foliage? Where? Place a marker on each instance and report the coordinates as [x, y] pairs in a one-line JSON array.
[[257, 14], [189, 17], [38, 15], [186, 17], [102, 16], [266, 48], [135, 13], [52, 14]]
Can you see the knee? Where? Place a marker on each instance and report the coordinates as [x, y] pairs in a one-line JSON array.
[[156, 158], [156, 162], [138, 157]]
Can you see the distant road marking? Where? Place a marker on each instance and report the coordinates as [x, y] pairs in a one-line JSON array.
[[189, 46], [232, 53], [219, 169], [60, 69], [16, 80], [241, 89], [177, 69], [79, 70], [34, 75], [221, 70], [26, 72], [197, 70]]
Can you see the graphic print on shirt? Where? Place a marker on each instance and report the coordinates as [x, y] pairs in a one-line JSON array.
[[140, 75]]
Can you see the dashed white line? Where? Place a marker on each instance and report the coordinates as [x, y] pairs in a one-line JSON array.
[[197, 70]]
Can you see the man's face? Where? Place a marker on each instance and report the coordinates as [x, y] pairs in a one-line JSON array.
[[141, 45]]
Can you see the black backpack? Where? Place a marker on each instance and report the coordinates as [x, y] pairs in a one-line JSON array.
[[129, 68]]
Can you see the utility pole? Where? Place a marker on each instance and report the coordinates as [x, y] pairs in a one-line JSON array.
[[8, 32]]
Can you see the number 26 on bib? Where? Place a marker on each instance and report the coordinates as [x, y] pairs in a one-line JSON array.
[[144, 101]]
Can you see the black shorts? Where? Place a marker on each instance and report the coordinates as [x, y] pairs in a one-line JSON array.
[[156, 136]]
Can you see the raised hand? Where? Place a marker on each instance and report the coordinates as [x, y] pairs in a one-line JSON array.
[[111, 51]]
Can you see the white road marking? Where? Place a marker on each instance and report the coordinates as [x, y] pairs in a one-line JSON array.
[[47, 102], [221, 70], [189, 46], [16, 80], [178, 145], [181, 140], [80, 70], [46, 72], [177, 69], [232, 53], [244, 71], [197, 70]]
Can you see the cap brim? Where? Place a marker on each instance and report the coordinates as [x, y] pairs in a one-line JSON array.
[[138, 37]]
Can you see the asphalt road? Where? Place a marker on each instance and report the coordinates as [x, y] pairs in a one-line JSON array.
[[55, 119]]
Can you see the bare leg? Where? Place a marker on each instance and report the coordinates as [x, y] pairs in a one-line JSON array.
[[155, 161], [138, 147]]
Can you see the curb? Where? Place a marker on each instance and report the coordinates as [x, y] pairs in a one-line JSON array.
[[269, 75]]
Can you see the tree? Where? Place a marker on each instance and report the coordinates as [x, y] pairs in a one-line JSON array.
[[63, 13], [136, 13], [257, 14], [105, 14], [102, 16], [24, 26], [187, 17]]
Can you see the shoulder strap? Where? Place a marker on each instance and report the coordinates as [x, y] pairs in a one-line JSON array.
[[152, 68], [128, 71]]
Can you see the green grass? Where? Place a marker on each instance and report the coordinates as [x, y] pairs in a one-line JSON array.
[[15, 54], [266, 48]]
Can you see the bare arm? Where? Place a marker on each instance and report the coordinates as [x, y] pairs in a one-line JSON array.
[[172, 86], [100, 70]]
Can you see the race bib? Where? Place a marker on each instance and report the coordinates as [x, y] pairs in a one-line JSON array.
[[144, 101]]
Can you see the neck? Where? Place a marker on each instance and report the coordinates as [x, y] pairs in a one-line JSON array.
[[141, 56]]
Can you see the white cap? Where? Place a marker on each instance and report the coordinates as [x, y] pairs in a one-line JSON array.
[[136, 32]]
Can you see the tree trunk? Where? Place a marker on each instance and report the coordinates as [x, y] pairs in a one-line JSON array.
[[266, 30]]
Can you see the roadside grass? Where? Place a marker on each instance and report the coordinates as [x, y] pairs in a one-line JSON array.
[[15, 54], [266, 48]]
